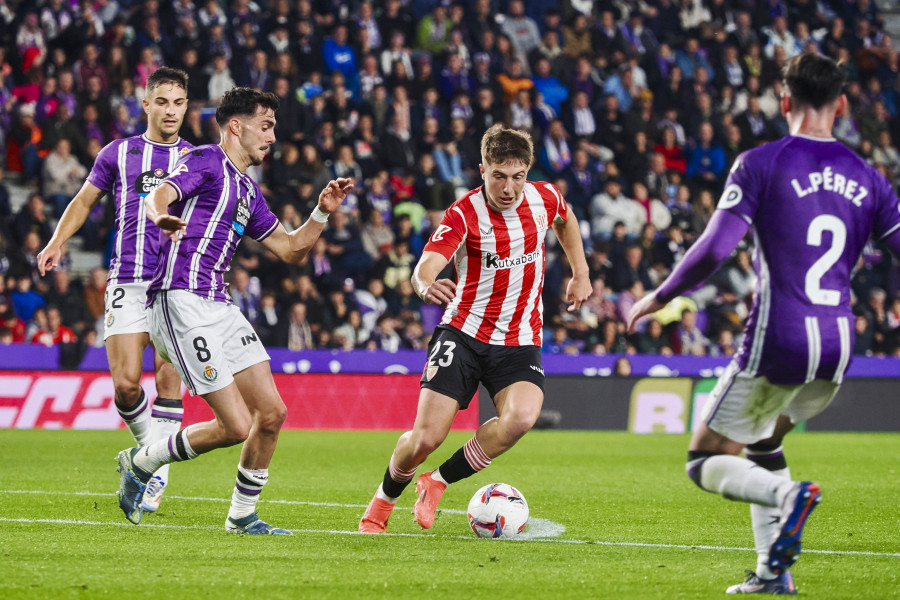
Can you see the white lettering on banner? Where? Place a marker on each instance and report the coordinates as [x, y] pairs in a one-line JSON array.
[[61, 390], [659, 412], [12, 387], [54, 400], [100, 393]]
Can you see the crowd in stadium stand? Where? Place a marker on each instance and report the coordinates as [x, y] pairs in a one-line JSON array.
[[638, 109]]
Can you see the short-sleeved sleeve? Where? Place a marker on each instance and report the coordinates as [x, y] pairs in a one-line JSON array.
[[103, 173], [887, 211], [449, 234], [742, 189], [262, 220], [190, 173], [554, 202]]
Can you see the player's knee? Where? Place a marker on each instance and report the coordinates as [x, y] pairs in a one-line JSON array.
[[127, 392], [517, 424], [424, 444], [271, 420], [694, 466], [236, 432]]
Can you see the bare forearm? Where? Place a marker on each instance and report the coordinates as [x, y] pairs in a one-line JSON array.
[[73, 218], [570, 239], [157, 201], [302, 240]]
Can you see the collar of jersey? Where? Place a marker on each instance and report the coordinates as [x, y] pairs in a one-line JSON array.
[[814, 138], [228, 158], [162, 144]]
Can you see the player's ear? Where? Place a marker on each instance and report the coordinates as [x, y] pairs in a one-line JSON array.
[[841, 106], [146, 104], [785, 105]]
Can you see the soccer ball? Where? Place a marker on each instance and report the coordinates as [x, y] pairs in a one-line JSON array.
[[498, 510]]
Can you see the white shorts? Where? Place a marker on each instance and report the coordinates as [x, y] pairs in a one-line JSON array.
[[745, 408], [207, 342], [126, 309]]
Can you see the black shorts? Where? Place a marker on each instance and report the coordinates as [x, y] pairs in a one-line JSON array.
[[458, 362]]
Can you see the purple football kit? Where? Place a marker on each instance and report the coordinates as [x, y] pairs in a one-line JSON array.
[[193, 323], [128, 169], [811, 204]]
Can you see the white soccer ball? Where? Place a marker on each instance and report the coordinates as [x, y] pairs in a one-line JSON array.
[[498, 510]]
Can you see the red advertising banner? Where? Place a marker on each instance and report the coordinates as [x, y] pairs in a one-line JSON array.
[[84, 400]]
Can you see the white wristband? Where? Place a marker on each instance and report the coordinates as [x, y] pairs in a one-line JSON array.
[[319, 216]]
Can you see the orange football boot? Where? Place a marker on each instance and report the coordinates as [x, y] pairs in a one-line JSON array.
[[375, 519], [429, 492]]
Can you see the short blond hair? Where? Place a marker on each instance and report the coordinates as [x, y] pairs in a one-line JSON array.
[[500, 145]]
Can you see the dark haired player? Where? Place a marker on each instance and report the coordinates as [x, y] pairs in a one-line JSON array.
[[492, 328], [811, 204], [128, 169], [205, 207]]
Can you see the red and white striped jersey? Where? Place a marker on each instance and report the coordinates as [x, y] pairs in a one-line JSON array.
[[499, 260]]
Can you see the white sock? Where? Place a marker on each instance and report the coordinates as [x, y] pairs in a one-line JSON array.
[[247, 488], [737, 478], [137, 418], [174, 448], [436, 475], [766, 525], [165, 421], [380, 494]]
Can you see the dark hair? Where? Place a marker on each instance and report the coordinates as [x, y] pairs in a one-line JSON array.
[[501, 145], [813, 80], [167, 75], [244, 101]]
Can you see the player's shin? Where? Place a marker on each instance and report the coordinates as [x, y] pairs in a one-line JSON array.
[[766, 520], [174, 448], [247, 487], [737, 478], [395, 481], [137, 418]]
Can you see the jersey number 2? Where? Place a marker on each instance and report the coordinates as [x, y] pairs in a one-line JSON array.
[[814, 290]]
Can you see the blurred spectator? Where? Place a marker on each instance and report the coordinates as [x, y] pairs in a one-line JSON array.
[[687, 338], [653, 340], [610, 207], [63, 176], [245, 293], [53, 332], [25, 300], [300, 335]]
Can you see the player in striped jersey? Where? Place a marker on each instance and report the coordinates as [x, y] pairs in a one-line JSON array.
[[206, 206], [492, 327], [811, 203], [127, 170]]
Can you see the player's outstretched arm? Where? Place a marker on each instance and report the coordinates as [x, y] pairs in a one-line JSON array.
[[719, 239], [157, 203], [569, 235], [293, 247], [71, 221], [425, 282]]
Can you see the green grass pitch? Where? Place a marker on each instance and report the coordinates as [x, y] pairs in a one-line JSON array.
[[635, 526]]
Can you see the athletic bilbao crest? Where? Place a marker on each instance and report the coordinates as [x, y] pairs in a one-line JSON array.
[[540, 220], [430, 372], [147, 181], [241, 215]]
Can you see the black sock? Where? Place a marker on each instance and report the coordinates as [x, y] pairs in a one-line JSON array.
[[456, 467], [393, 488]]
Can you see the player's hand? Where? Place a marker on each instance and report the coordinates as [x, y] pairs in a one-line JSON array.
[[645, 306], [171, 225], [578, 290], [334, 193], [439, 292], [48, 258]]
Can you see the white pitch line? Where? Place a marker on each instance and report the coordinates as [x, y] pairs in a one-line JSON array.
[[416, 535]]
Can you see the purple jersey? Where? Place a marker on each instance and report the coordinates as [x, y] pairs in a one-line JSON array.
[[220, 205], [811, 204], [128, 169]]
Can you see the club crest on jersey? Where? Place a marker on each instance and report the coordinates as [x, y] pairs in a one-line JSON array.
[[148, 181], [210, 373], [540, 220], [183, 151], [241, 215], [110, 319], [430, 372]]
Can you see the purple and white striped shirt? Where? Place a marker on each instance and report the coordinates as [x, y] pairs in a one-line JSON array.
[[220, 205], [128, 169]]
